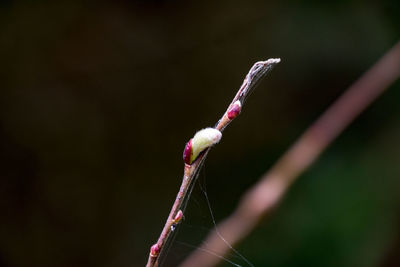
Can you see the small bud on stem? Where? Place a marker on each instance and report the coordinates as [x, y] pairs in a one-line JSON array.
[[234, 110], [201, 140], [187, 152], [178, 217], [154, 250]]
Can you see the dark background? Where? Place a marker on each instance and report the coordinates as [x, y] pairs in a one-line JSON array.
[[97, 100]]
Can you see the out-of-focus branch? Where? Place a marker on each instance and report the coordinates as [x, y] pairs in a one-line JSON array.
[[262, 197]]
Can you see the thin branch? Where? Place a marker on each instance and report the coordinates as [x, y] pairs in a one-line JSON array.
[[264, 196], [193, 165]]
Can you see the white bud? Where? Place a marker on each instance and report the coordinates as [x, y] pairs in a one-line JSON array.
[[204, 139]]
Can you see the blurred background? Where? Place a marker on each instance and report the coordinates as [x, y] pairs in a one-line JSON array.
[[98, 98]]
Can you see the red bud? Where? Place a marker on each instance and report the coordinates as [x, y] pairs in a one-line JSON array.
[[234, 110], [187, 152], [154, 250], [178, 216]]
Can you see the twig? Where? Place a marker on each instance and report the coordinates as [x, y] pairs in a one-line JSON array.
[[264, 196], [194, 159]]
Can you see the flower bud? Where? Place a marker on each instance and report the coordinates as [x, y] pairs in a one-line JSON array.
[[234, 110], [154, 250], [178, 217], [201, 140], [187, 152]]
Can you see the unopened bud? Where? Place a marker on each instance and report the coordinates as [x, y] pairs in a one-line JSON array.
[[201, 140], [178, 216], [187, 152], [154, 250], [234, 110]]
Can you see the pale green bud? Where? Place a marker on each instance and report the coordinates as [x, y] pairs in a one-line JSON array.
[[201, 140]]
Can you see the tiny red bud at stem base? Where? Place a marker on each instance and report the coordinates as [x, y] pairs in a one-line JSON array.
[[154, 250]]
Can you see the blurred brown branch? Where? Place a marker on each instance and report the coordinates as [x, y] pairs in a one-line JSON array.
[[264, 196]]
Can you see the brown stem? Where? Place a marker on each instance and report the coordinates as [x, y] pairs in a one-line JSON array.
[[258, 70], [264, 196]]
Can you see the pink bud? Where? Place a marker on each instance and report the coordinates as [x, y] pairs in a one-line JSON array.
[[178, 216], [154, 250], [234, 110], [187, 152]]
